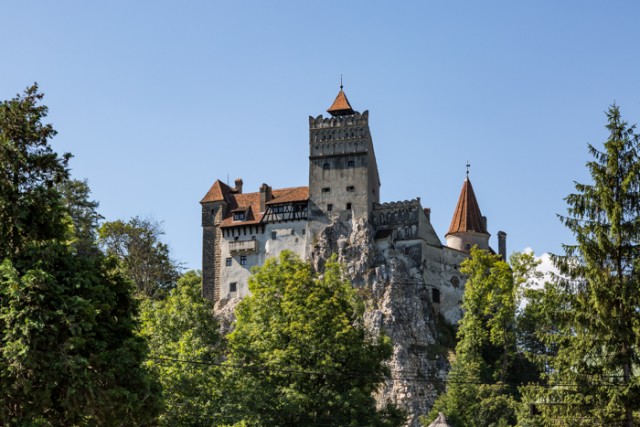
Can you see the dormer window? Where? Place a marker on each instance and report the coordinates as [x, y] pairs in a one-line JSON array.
[[239, 216]]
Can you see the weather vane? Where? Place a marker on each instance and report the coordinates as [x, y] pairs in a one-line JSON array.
[[468, 166]]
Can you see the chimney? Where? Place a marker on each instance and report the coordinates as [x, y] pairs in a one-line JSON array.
[[484, 223], [427, 212], [265, 196], [502, 244], [238, 187]]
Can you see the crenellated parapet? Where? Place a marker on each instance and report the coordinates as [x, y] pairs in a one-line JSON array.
[[355, 119], [396, 213]]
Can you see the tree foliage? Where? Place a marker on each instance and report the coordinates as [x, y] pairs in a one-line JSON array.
[[31, 170], [598, 330], [488, 366], [83, 215], [69, 354], [300, 355], [185, 351], [144, 258]]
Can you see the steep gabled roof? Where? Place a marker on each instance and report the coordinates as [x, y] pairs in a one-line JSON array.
[[218, 192], [467, 216], [340, 106]]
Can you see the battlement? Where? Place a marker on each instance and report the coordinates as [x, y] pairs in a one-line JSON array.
[[355, 119], [392, 213]]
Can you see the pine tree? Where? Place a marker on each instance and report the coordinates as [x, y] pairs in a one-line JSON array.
[[594, 377]]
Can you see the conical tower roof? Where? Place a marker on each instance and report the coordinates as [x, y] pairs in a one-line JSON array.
[[340, 106], [467, 216]]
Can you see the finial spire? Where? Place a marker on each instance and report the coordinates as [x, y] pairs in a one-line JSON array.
[[340, 81], [468, 166]]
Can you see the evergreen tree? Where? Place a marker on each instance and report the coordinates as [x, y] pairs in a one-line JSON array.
[[300, 355], [31, 170], [594, 375], [69, 355]]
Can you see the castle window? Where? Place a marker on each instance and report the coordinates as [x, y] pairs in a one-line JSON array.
[[243, 260], [326, 190], [351, 164], [233, 287], [329, 207], [304, 231], [351, 188], [228, 262], [435, 295], [238, 216], [348, 206], [468, 246], [274, 235], [293, 231], [325, 167]]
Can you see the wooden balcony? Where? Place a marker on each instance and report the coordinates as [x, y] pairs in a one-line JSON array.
[[243, 246]]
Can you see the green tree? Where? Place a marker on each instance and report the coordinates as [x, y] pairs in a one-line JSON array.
[[598, 343], [83, 214], [144, 258], [185, 351], [300, 355], [482, 384], [69, 354], [31, 170]]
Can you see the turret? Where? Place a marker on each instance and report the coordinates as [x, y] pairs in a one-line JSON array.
[[468, 227]]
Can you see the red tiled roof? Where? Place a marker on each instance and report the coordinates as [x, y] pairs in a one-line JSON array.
[[217, 193], [340, 106], [467, 216], [288, 195], [252, 201]]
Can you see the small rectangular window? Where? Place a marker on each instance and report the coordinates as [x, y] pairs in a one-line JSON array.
[[348, 206], [351, 188], [326, 190], [326, 166], [243, 260], [435, 295], [351, 164], [304, 231], [274, 235], [233, 287], [329, 207], [228, 262], [238, 216]]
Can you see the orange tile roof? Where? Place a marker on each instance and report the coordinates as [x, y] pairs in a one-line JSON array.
[[340, 106], [218, 192], [467, 216], [288, 195], [252, 201]]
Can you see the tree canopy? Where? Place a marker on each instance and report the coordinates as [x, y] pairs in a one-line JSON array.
[[185, 352], [300, 354], [144, 258], [69, 354], [593, 376]]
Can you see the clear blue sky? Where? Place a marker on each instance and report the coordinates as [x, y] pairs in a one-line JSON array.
[[157, 99]]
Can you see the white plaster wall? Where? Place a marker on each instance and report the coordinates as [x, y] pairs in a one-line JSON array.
[[289, 236], [460, 241]]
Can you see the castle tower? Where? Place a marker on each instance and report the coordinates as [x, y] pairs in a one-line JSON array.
[[343, 172], [468, 227]]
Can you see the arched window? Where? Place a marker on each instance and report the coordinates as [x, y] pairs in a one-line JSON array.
[[326, 167]]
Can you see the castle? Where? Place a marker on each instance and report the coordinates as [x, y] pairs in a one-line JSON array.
[[410, 280], [242, 230]]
